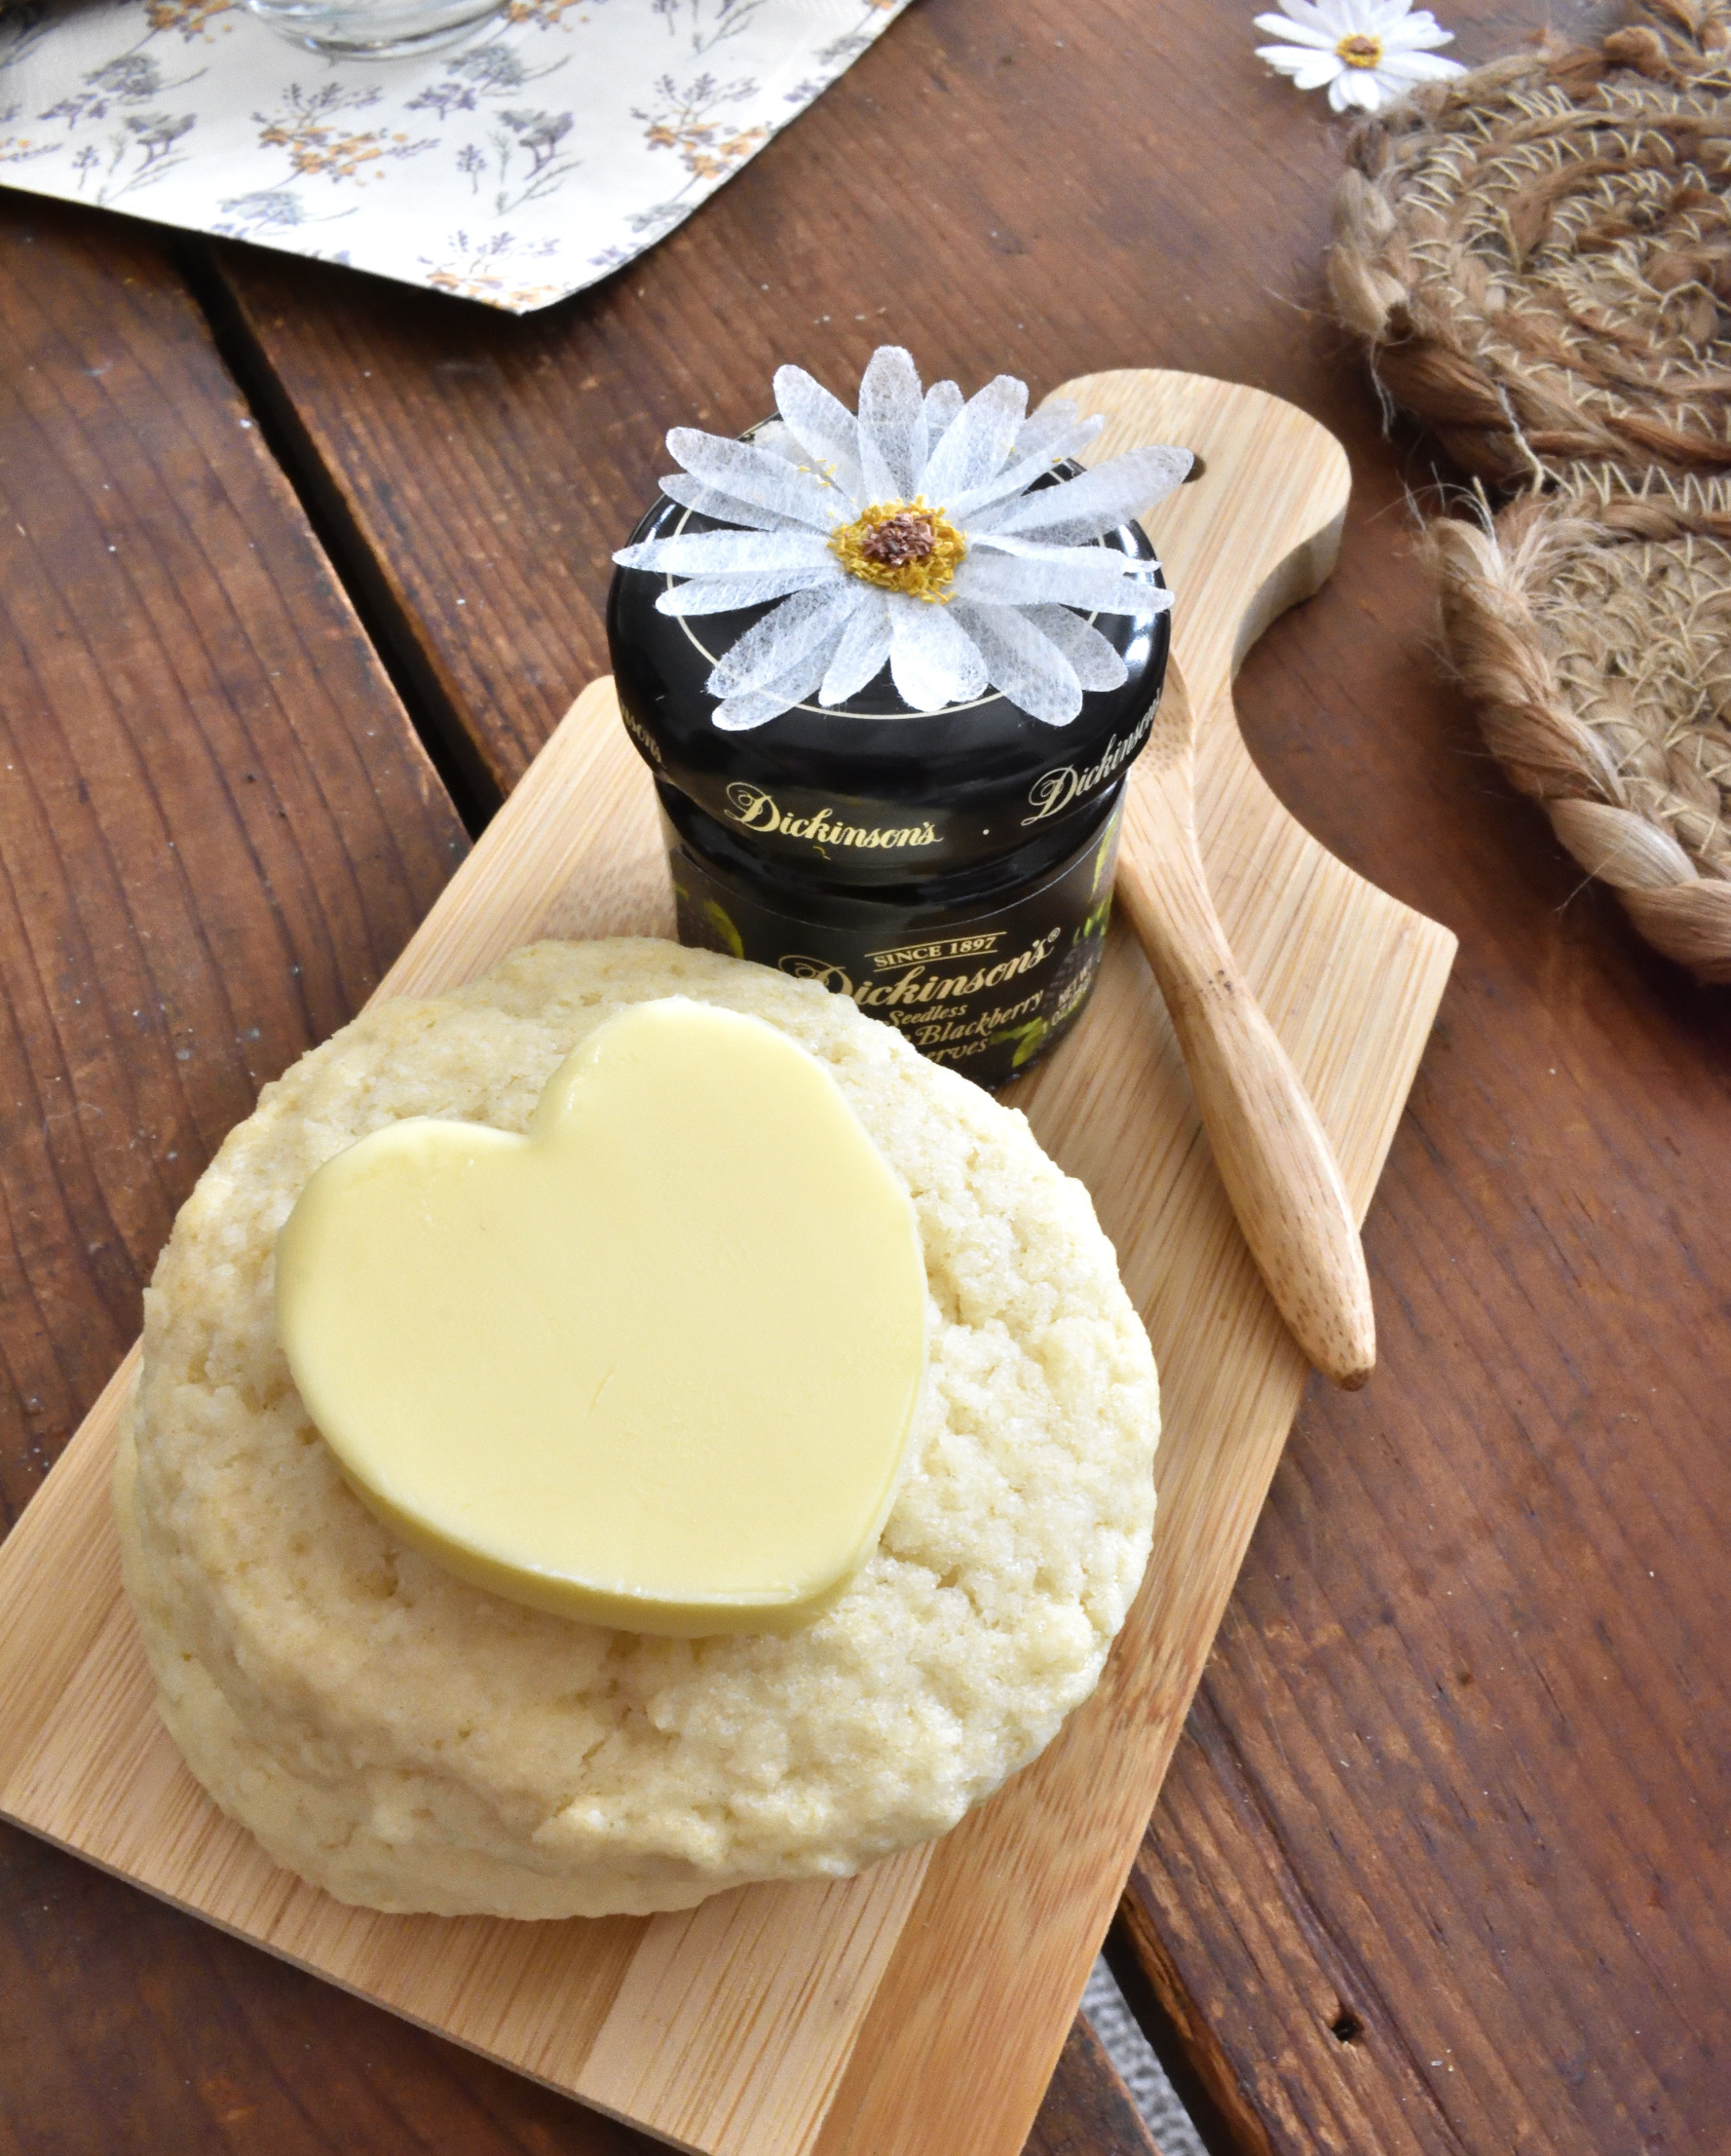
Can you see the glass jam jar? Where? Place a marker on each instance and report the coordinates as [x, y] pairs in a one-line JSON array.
[[949, 871]]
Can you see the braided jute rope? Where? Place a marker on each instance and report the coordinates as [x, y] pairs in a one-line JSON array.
[[1538, 251], [1591, 626]]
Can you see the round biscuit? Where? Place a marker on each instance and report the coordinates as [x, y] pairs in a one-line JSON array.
[[411, 1743]]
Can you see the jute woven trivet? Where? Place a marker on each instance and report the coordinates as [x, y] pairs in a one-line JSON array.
[[1538, 251], [1591, 627], [1538, 254]]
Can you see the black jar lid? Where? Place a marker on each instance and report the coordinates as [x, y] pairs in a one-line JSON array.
[[974, 774]]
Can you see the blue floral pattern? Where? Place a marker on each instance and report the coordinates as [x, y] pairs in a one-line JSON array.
[[513, 172]]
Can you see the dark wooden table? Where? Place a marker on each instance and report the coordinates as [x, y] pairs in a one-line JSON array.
[[297, 570]]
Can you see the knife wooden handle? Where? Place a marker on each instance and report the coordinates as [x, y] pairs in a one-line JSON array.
[[1270, 1148]]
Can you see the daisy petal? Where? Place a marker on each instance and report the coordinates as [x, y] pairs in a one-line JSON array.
[[1307, 16], [1418, 41], [714, 553], [1044, 549], [751, 707], [1299, 33], [1399, 29], [978, 442], [1023, 663], [727, 509], [821, 424], [1097, 664], [859, 657], [1419, 67], [784, 637], [1356, 86], [747, 708], [780, 439], [943, 400], [757, 475], [1124, 569], [1322, 67], [1042, 429], [1307, 70], [753, 588], [1085, 579], [932, 658], [1101, 500], [892, 427], [972, 679], [1016, 478]]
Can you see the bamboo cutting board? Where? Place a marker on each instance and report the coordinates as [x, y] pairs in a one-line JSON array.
[[921, 2009]]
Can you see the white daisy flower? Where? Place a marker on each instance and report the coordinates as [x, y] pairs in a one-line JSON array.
[[909, 534], [1365, 51]]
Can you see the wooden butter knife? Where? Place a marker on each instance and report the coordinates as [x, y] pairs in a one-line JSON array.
[[1255, 530], [1273, 1156]]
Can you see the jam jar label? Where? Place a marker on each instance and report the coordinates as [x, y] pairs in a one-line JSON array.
[[824, 828], [984, 993], [1059, 789]]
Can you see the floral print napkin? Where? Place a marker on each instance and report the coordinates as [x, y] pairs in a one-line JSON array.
[[513, 170]]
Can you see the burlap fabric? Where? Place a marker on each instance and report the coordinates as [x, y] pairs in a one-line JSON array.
[[1538, 254]]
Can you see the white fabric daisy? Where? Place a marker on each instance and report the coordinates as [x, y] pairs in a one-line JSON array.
[[909, 535], [1365, 51]]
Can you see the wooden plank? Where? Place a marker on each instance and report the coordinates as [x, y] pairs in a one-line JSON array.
[[908, 2035], [1051, 189], [216, 831], [137, 690], [1438, 1866], [187, 709], [1088, 2111]]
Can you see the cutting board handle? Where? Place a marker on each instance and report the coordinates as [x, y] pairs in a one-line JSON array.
[[1256, 531]]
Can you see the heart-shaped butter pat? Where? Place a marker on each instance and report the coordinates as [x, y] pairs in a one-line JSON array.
[[654, 1364]]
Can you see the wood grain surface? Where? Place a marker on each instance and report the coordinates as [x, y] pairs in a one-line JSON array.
[[1456, 1779], [908, 2032], [1088, 2111], [1056, 189], [216, 831]]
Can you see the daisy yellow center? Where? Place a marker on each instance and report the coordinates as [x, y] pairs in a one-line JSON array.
[[1359, 49], [901, 547]]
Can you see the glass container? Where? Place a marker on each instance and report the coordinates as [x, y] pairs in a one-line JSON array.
[[376, 29], [951, 871]]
